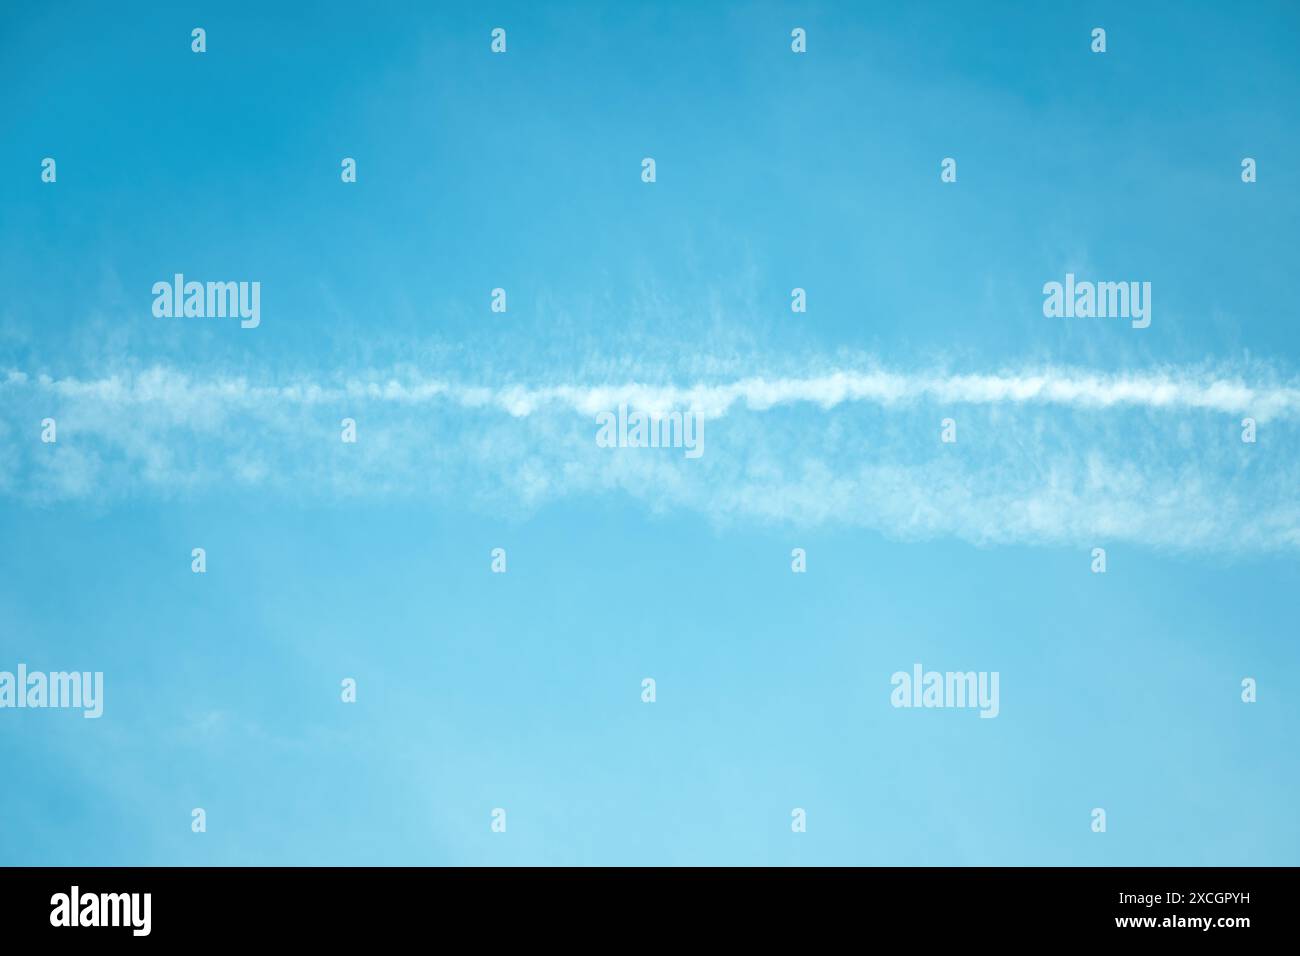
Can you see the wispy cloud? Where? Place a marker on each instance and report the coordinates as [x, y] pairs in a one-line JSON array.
[[1171, 389], [1046, 454]]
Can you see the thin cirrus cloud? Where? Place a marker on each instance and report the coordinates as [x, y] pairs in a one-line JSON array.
[[1043, 455]]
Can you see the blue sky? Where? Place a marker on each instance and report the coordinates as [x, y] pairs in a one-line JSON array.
[[476, 431]]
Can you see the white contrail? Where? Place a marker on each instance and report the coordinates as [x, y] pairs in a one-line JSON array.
[[1160, 390], [1048, 455]]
